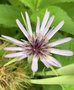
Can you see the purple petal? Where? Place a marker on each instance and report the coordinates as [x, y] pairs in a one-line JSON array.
[[38, 25], [34, 64], [12, 55], [48, 25], [15, 41], [44, 61], [53, 61], [61, 52], [22, 28], [45, 19], [60, 41], [28, 23], [51, 33], [13, 49], [22, 57]]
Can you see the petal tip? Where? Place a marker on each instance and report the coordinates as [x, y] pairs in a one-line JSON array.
[[62, 22], [70, 38], [53, 16], [2, 35], [47, 12], [71, 53], [5, 48], [26, 13], [60, 65], [6, 56], [17, 20]]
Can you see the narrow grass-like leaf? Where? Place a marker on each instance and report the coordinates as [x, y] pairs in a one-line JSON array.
[[68, 79], [10, 62]]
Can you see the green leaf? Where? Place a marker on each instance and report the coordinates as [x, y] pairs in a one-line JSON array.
[[10, 62], [29, 3], [3, 1], [8, 15], [32, 4], [52, 87], [60, 1], [70, 12], [68, 87], [66, 70], [38, 2], [68, 79], [14, 2], [59, 15], [68, 7], [47, 2]]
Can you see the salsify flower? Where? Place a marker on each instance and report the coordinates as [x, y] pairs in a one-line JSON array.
[[37, 44]]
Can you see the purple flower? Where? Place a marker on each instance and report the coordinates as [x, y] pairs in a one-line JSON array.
[[37, 44]]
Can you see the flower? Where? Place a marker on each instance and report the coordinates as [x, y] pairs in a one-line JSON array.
[[37, 44]]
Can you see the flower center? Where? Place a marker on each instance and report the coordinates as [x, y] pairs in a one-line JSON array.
[[36, 46], [39, 47]]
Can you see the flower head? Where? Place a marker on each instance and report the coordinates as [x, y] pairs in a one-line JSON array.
[[37, 44]]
